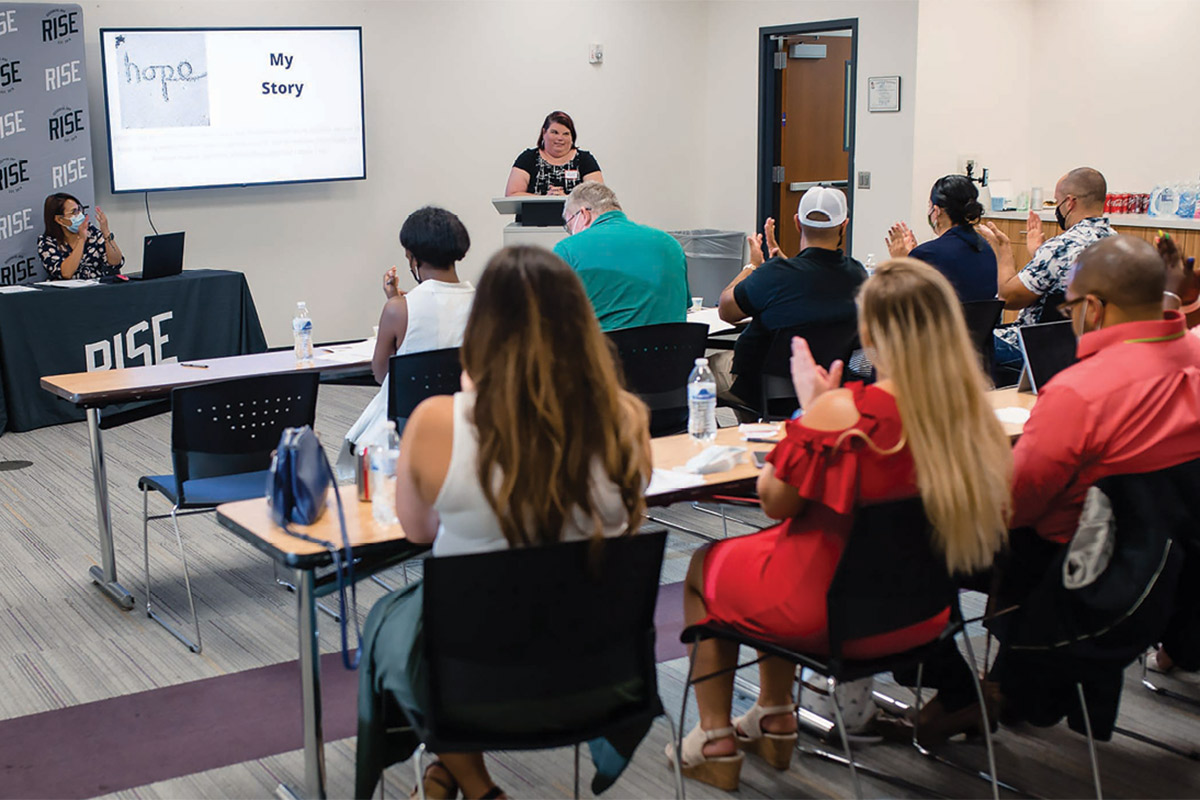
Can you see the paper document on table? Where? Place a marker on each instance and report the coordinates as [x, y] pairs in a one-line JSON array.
[[347, 353], [16, 289], [711, 318], [665, 480], [1013, 415], [757, 431], [73, 283]]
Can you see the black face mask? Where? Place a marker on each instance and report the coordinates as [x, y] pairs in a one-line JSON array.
[[1059, 218]]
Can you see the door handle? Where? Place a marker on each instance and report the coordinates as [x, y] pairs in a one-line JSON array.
[[804, 186], [846, 110]]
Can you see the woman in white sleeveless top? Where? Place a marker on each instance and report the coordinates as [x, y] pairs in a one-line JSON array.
[[430, 317], [543, 413]]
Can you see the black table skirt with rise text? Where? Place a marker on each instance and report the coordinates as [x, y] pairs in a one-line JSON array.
[[204, 313]]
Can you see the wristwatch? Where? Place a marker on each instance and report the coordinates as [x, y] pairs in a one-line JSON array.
[[112, 237]]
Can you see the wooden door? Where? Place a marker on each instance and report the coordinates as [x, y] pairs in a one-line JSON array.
[[814, 136]]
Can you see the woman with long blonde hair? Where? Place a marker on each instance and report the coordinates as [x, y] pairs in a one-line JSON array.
[[924, 429], [542, 445]]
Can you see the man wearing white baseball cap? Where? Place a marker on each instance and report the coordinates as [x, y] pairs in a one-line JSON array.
[[817, 285]]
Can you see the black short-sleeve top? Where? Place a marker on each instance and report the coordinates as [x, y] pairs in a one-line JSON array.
[[543, 174], [94, 263]]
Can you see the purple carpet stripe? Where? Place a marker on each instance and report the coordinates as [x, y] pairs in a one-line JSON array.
[[128, 741], [668, 622], [136, 739]]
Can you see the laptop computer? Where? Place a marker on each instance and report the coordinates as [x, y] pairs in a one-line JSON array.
[[1048, 348], [162, 255]]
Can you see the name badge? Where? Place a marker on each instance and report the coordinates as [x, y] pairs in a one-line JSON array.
[[571, 175]]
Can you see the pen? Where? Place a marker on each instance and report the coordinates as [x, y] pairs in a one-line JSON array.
[[762, 441], [193, 366]]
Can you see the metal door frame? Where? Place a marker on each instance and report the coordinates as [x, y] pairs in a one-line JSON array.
[[769, 108]]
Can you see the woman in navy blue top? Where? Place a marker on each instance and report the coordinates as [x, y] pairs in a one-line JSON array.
[[958, 251]]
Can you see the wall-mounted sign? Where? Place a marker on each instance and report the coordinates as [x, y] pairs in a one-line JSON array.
[[883, 93]]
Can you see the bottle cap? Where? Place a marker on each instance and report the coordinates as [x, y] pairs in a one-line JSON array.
[[701, 362]]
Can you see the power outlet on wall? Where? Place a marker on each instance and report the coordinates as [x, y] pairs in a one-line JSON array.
[[864, 180]]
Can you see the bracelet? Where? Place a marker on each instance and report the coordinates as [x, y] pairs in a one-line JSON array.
[[750, 267]]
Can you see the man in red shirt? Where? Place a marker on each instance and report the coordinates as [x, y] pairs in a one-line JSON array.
[[1130, 405], [1132, 402]]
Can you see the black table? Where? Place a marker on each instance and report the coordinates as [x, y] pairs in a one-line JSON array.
[[204, 313]]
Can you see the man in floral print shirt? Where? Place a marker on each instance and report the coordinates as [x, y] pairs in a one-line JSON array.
[[1079, 208]]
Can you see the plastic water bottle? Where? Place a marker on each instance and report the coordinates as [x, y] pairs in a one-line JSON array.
[[1164, 202], [702, 403], [383, 477], [1187, 201], [302, 333], [869, 264]]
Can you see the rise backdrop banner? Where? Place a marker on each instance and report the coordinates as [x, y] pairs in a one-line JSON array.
[[45, 141]]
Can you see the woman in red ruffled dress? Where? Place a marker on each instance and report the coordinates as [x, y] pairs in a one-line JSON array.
[[924, 429]]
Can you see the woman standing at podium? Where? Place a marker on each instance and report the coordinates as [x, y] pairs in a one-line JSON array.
[[554, 166], [73, 248]]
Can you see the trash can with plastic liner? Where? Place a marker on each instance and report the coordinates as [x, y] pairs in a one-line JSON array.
[[713, 258]]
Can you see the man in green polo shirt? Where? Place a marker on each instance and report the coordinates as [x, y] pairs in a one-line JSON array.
[[633, 274]]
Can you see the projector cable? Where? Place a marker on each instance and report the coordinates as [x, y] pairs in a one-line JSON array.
[[148, 217]]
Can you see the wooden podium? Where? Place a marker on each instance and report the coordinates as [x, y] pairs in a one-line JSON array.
[[538, 220]]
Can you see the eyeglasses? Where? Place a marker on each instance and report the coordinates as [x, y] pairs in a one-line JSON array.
[[567, 221], [1066, 308]]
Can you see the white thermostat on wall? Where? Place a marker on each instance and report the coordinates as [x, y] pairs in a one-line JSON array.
[[596, 54]]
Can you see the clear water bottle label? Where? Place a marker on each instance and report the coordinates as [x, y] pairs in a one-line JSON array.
[[301, 325], [702, 410]]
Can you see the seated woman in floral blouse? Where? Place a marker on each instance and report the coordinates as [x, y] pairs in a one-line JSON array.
[[73, 248]]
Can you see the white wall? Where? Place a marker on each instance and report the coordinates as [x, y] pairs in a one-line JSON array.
[[1037, 87], [456, 88], [1116, 89], [887, 46], [454, 91], [972, 95]]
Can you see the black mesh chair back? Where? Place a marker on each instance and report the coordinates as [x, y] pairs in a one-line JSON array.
[[416, 376], [1124, 609], [982, 317], [657, 360], [828, 341], [541, 647], [231, 427], [890, 574]]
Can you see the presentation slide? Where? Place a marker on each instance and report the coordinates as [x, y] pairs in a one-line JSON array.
[[191, 108]]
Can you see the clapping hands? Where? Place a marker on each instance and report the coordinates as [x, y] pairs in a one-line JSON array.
[[809, 378], [756, 242], [900, 240], [1181, 275], [391, 287]]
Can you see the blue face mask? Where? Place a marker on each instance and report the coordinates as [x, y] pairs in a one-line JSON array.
[[76, 221]]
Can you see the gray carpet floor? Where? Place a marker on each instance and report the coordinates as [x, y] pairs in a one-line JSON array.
[[62, 643]]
